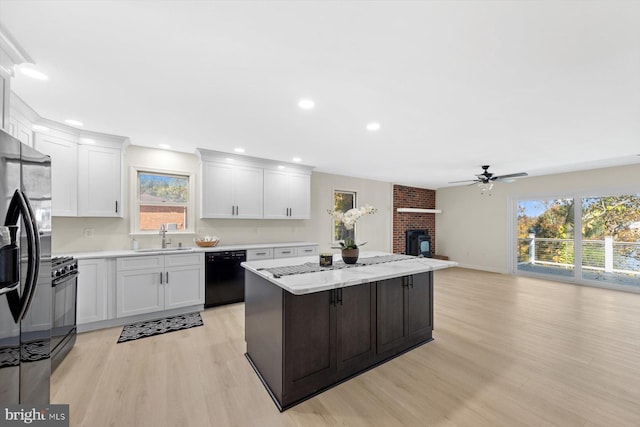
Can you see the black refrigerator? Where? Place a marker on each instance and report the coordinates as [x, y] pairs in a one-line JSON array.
[[25, 273]]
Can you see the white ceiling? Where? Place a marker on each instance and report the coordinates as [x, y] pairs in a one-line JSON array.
[[535, 86]]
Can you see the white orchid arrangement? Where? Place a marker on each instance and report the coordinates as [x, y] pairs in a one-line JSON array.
[[349, 219]]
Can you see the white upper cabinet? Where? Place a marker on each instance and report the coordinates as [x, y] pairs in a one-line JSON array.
[[236, 186], [99, 183], [230, 190], [248, 192], [63, 149], [86, 167], [21, 120], [86, 173], [287, 195]]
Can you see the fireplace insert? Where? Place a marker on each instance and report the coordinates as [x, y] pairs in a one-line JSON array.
[[418, 242]]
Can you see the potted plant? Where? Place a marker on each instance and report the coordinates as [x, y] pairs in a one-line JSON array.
[[349, 247]]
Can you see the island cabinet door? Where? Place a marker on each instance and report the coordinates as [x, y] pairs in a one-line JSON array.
[[419, 308], [356, 325], [391, 315], [309, 344]]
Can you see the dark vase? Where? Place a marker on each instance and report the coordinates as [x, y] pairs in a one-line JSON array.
[[350, 256]]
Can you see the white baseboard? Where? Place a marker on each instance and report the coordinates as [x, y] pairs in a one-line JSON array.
[[110, 323]]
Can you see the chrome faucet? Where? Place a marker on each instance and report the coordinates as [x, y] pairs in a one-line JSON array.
[[163, 233]]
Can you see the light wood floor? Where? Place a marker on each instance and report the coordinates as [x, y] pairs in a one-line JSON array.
[[508, 351]]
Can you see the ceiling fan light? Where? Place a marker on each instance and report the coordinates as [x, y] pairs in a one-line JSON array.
[[485, 187]]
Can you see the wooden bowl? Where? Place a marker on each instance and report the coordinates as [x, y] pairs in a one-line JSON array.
[[206, 243]]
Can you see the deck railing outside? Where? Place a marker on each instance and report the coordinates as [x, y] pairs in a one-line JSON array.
[[605, 255]]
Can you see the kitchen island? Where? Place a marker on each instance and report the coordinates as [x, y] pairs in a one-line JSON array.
[[307, 331]]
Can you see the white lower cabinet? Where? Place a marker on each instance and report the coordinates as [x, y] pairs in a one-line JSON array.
[[152, 283], [295, 251], [306, 250], [256, 254], [96, 289]]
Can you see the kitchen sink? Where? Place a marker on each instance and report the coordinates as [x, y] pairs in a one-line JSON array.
[[164, 249]]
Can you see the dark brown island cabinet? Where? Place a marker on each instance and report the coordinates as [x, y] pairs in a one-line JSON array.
[[300, 345]]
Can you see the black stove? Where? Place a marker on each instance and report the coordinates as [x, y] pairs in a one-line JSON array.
[[62, 268], [64, 280]]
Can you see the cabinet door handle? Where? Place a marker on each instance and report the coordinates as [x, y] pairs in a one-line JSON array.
[[340, 296], [161, 278], [167, 281], [409, 281], [116, 206], [333, 297], [261, 253]]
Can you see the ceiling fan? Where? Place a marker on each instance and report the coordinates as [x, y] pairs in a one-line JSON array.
[[486, 179]]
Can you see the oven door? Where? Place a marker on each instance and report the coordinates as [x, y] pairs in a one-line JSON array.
[[64, 310]]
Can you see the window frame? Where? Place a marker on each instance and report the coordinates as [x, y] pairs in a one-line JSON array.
[[578, 196], [333, 221], [134, 198]]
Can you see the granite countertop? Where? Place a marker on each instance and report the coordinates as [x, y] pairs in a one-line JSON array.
[[185, 249], [306, 283]]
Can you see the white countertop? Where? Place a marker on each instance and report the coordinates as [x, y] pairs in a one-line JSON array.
[[143, 252], [306, 283]]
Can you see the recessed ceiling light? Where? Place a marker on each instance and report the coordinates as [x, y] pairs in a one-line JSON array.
[[297, 159], [373, 126], [39, 128], [164, 146], [239, 150], [73, 122], [306, 104], [29, 71], [88, 140], [280, 167]]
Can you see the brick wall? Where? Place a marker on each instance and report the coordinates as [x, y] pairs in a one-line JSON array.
[[412, 197], [152, 217]]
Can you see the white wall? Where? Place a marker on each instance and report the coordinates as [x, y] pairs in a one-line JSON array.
[[474, 229], [113, 233]]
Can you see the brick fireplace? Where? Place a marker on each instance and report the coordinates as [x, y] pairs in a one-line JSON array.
[[412, 197]]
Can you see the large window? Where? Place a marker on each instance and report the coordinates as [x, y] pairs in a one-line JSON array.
[[604, 249], [163, 199], [343, 201], [546, 236], [611, 239]]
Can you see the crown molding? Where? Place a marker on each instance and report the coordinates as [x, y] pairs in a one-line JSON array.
[[12, 53]]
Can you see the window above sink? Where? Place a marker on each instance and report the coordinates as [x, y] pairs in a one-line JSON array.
[[162, 197]]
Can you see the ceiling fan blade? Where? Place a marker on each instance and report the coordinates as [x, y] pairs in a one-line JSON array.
[[466, 180], [511, 175]]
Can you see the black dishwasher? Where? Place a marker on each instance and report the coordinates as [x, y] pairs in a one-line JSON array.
[[224, 277]]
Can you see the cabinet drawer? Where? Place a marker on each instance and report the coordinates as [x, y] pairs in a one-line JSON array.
[[183, 259], [140, 262], [284, 252], [306, 250], [256, 254]]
